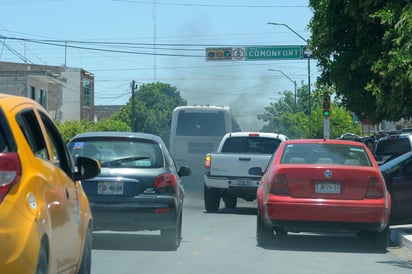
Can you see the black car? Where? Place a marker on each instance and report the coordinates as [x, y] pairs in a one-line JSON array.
[[138, 188], [391, 146], [398, 176]]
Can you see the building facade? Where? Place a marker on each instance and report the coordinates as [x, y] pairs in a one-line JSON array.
[[66, 93], [103, 112]]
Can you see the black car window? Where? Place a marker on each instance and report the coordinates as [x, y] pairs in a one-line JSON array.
[[3, 144], [61, 156], [30, 127], [396, 146], [7, 142], [119, 152]]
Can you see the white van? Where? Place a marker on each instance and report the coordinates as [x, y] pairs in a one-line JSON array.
[[195, 131]]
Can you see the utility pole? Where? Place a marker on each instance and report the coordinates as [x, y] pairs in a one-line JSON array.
[[133, 86], [306, 40], [290, 79]]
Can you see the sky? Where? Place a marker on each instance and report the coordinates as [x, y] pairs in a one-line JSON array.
[[164, 41]]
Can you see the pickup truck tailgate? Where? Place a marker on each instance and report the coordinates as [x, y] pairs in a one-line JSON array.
[[236, 165]]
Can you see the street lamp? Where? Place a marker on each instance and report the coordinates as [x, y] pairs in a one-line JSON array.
[[293, 81], [301, 37]]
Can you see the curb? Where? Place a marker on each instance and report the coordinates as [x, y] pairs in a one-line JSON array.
[[402, 236]]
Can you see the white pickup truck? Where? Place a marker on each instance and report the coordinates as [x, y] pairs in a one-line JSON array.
[[227, 170]]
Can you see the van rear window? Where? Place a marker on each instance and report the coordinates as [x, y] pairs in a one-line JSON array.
[[201, 124]]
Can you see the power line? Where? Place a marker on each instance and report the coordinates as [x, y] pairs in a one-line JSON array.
[[60, 42], [211, 5], [13, 51]]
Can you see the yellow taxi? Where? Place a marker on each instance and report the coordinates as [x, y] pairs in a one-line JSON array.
[[45, 217]]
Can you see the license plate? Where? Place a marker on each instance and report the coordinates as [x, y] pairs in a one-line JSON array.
[[245, 183], [110, 188], [327, 187]]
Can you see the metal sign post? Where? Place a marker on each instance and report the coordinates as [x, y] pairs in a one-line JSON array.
[[326, 128]]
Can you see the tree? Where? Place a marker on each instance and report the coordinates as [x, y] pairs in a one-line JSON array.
[[71, 128], [153, 107], [392, 87], [281, 118], [364, 49]]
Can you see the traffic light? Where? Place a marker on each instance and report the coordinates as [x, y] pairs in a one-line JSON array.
[[217, 54], [326, 106]]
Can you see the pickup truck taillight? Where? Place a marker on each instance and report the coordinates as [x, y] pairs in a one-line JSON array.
[[10, 172], [207, 162]]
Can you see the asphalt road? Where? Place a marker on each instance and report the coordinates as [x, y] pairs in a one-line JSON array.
[[225, 243]]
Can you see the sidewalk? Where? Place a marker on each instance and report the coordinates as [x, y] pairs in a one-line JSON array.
[[402, 235]]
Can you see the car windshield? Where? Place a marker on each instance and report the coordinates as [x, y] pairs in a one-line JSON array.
[[119, 153], [325, 154], [396, 146]]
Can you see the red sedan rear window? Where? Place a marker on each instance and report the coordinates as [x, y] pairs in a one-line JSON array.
[[334, 154]]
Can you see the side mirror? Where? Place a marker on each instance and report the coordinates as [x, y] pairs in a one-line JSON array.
[[256, 171], [86, 168], [184, 171]]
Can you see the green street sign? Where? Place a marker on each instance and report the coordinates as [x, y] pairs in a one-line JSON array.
[[258, 53], [274, 53]]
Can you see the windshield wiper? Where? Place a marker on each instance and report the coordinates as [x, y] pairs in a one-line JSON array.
[[119, 161]]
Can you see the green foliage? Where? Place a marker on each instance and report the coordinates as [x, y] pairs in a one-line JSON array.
[[111, 125], [153, 106], [71, 128], [280, 118], [364, 49]]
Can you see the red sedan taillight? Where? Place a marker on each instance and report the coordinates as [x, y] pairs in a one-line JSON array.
[[10, 172], [165, 180], [375, 189], [279, 185]]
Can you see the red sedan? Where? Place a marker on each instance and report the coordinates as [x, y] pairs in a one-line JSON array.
[[323, 186]]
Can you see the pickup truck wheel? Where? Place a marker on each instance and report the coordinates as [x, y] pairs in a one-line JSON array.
[[264, 234], [212, 199], [230, 201]]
